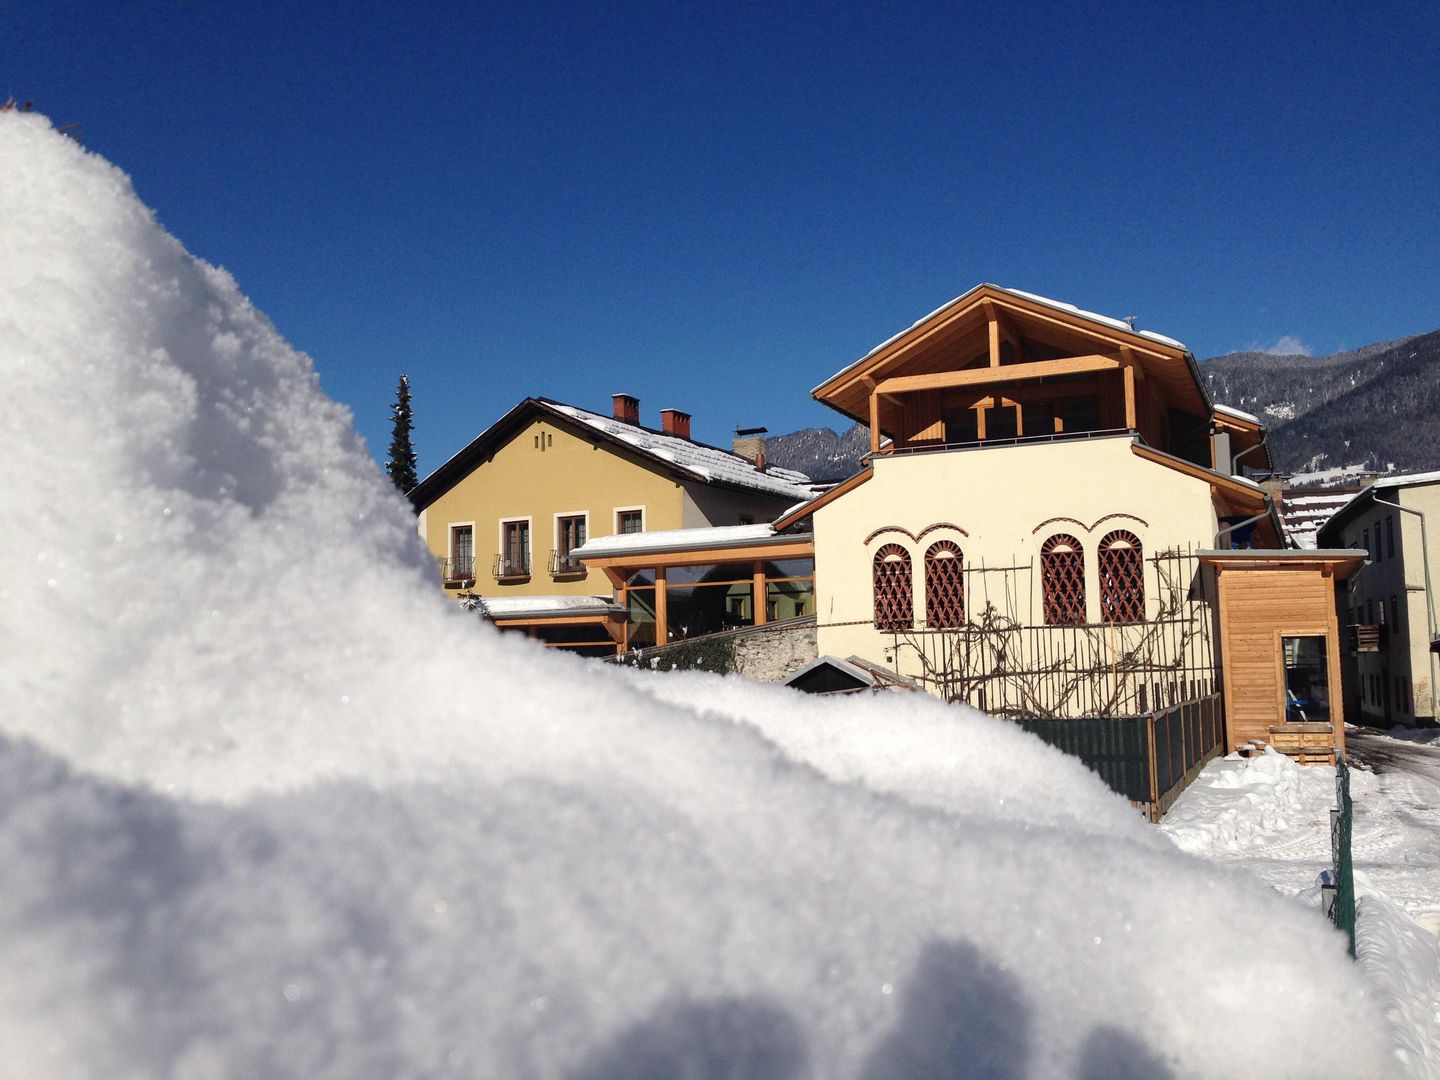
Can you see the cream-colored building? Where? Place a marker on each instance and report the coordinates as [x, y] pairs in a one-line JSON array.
[[1050, 508], [1389, 606], [505, 514]]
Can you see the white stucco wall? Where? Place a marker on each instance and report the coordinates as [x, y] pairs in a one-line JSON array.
[[997, 503]]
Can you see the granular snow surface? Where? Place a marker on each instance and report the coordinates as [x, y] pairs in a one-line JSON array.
[[1270, 818], [272, 808]]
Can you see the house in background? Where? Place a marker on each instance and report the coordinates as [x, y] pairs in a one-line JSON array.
[[1055, 523], [505, 515], [1389, 608]]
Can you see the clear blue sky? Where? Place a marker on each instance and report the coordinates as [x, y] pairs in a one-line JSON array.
[[715, 209]]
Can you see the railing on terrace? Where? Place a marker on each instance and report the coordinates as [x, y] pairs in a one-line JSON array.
[[507, 567], [1019, 440], [562, 564], [461, 568]]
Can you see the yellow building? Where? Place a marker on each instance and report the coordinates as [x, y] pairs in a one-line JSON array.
[[505, 514]]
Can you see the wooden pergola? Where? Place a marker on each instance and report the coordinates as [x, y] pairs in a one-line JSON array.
[[621, 566]]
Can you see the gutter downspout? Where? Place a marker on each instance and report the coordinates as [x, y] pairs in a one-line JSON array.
[[1429, 593], [1235, 461], [1269, 509]]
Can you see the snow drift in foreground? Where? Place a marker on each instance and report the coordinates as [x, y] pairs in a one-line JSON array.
[[271, 808]]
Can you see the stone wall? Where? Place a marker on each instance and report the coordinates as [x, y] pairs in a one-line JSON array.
[[771, 655]]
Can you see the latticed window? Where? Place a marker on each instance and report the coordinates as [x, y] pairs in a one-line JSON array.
[[1122, 578], [944, 585], [893, 605], [1062, 576]]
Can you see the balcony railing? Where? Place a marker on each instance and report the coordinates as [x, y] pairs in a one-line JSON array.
[[563, 564], [458, 569], [511, 567], [1368, 637]]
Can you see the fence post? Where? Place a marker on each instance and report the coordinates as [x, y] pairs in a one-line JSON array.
[[1342, 914], [1149, 720]]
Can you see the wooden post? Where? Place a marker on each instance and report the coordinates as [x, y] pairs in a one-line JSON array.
[[994, 326], [874, 421], [623, 645], [761, 607], [662, 608], [1130, 397]]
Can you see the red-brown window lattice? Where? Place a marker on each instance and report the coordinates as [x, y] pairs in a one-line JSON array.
[[893, 605], [1062, 576], [1122, 578], [944, 585]]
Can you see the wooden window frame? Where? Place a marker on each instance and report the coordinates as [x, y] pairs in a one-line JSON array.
[[450, 558], [615, 518], [529, 568], [1054, 614], [898, 614], [558, 569]]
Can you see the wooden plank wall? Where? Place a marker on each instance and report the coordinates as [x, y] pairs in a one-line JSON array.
[[1257, 607]]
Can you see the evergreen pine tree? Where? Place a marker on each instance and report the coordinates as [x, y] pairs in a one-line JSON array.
[[401, 465]]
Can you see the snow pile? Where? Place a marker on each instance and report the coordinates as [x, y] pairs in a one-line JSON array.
[[1402, 960], [1239, 803], [272, 808]]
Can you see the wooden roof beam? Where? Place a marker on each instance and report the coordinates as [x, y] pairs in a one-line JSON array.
[[1038, 369]]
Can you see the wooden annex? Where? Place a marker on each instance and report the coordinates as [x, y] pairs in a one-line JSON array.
[[1280, 648]]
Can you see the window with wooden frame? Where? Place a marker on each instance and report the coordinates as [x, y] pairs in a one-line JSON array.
[[1062, 580], [514, 558], [570, 532], [630, 520], [894, 606], [944, 585], [1122, 578], [461, 564]]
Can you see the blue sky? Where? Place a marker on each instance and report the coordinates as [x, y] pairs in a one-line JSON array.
[[714, 209]]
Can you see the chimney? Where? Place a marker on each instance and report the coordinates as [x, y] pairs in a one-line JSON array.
[[674, 422], [749, 443], [627, 408], [760, 460]]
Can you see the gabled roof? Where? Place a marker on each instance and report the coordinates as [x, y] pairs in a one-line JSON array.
[[1168, 360], [1367, 494], [686, 460]]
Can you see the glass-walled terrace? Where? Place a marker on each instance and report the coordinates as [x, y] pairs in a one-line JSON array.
[[710, 597]]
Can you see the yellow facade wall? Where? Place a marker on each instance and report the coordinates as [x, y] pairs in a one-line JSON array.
[[541, 472], [999, 504]]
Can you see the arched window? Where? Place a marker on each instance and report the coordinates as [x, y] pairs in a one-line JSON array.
[[944, 585], [1122, 578], [894, 609], [1062, 577]]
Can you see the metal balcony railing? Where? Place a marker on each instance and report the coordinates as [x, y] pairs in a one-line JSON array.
[[458, 569], [508, 567], [563, 564]]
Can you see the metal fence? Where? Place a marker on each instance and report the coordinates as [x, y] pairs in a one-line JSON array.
[[1151, 758], [1340, 893], [1005, 661]]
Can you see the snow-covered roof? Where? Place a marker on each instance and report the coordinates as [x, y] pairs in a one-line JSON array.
[[720, 536], [1239, 414], [516, 607], [707, 463], [1386, 482], [1059, 305]]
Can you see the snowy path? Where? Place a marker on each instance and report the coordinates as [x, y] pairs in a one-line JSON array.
[[1271, 818], [1397, 826]]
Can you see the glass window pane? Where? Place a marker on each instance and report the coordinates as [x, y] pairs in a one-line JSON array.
[[1307, 682]]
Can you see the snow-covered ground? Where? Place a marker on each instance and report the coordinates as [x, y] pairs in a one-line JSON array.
[[1269, 818], [272, 808]]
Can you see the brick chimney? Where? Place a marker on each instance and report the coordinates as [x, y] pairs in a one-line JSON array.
[[674, 422], [749, 443], [760, 460], [627, 408]]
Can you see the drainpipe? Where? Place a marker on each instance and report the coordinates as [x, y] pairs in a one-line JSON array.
[[1429, 593], [1269, 509], [1235, 461]]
